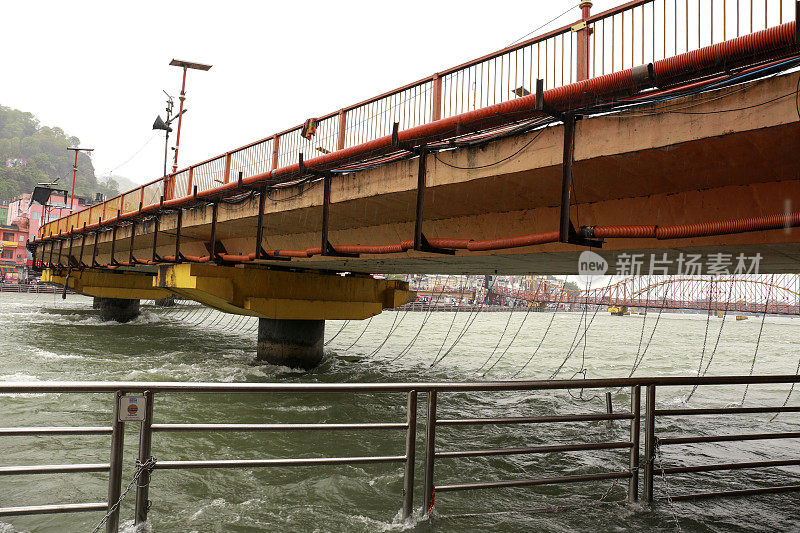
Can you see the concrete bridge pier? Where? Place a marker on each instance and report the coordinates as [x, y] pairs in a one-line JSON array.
[[117, 309], [169, 301], [292, 343]]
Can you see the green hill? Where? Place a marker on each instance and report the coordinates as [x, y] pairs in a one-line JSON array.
[[31, 154]]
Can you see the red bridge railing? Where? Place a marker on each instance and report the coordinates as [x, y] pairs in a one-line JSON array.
[[631, 34], [777, 294]]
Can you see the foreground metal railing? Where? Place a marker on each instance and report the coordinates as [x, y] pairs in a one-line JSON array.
[[626, 36], [129, 407]]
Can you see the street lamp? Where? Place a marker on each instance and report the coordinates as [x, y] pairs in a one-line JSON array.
[[185, 65], [75, 172]]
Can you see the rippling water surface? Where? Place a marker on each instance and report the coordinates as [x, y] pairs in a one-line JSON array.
[[45, 338]]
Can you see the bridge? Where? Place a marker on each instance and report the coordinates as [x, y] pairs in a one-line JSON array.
[[628, 132], [776, 294]]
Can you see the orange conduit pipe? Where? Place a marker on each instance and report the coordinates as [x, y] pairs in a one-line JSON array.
[[603, 232], [643, 231], [725, 227]]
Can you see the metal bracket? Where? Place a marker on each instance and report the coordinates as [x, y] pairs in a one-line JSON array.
[[797, 22], [542, 106], [52, 249], [71, 239], [178, 255], [83, 245], [326, 247], [421, 244], [271, 257], [214, 247], [114, 241], [260, 252], [156, 257], [94, 248], [566, 231], [131, 259], [401, 145]]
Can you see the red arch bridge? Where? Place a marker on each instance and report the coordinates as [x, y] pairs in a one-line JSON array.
[[775, 294]]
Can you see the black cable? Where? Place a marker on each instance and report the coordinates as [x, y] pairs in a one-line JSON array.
[[362, 333], [516, 333], [449, 329], [425, 318], [716, 343], [435, 155], [541, 342], [758, 340], [465, 328], [543, 25], [569, 354], [344, 324]]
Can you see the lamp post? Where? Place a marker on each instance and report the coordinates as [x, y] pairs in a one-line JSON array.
[[75, 172], [185, 65]]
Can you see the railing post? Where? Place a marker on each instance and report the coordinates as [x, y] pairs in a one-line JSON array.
[[115, 472], [430, 450], [411, 447], [190, 181], [342, 129], [169, 187], [633, 482], [649, 442], [227, 172], [582, 59], [145, 447], [436, 111], [275, 141]]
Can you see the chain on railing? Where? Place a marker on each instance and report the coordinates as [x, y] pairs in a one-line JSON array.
[[632, 34]]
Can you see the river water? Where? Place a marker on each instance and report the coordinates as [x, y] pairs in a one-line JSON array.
[[43, 337]]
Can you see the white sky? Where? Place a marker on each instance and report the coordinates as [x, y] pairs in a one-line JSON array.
[[97, 68]]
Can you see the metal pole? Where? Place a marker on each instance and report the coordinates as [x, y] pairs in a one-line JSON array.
[[115, 472], [421, 173], [182, 97], [566, 175], [430, 450], [633, 483], [145, 446], [649, 441], [74, 175], [166, 150], [411, 447], [609, 410], [582, 54]]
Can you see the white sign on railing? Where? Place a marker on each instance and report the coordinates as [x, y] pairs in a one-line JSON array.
[[131, 408]]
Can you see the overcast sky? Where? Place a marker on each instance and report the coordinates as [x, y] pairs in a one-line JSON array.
[[97, 68]]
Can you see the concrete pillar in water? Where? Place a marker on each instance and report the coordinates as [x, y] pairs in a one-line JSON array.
[[117, 309], [292, 343], [169, 301]]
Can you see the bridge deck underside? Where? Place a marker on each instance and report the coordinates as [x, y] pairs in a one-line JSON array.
[[647, 167]]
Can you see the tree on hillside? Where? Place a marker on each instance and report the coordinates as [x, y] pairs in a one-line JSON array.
[[31, 154]]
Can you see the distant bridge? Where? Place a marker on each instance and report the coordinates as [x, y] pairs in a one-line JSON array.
[[775, 294]]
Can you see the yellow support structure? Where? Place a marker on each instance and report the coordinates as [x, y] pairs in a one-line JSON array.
[[256, 291], [106, 283]]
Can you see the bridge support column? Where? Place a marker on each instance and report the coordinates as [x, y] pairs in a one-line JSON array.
[[292, 343], [117, 309], [169, 301]]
